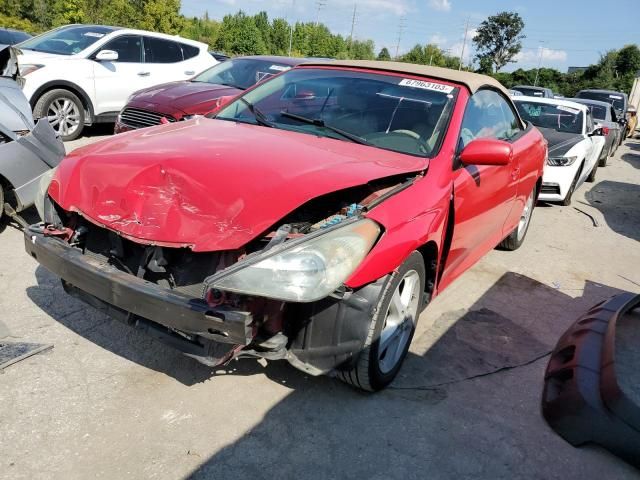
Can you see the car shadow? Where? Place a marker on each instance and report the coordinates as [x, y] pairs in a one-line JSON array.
[[632, 159], [467, 407], [618, 202], [466, 403]]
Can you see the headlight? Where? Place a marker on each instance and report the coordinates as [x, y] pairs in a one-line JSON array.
[[561, 161], [45, 181], [28, 68], [307, 270]]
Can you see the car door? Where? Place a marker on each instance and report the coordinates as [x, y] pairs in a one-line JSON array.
[[115, 81], [164, 61], [483, 195], [596, 144]]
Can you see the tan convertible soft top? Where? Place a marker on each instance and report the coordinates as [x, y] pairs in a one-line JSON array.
[[473, 81]]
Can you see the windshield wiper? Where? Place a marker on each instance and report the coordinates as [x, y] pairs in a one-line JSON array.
[[318, 122], [259, 116]]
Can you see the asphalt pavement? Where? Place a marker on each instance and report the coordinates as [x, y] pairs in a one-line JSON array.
[[109, 402]]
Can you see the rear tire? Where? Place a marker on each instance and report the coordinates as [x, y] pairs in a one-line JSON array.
[[392, 328], [517, 236], [64, 110]]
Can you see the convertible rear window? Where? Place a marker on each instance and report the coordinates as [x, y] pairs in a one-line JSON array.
[[385, 111], [557, 117]]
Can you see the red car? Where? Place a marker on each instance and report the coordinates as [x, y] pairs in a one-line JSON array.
[[182, 100], [310, 220]]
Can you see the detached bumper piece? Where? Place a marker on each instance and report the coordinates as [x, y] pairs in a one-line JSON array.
[[206, 333], [582, 399]]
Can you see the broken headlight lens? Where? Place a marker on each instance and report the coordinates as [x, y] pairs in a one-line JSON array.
[[561, 161], [308, 270], [26, 69]]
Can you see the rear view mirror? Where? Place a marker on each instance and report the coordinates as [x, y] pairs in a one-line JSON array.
[[107, 56], [487, 151]]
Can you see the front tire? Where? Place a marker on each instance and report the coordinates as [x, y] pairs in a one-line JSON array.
[[592, 175], [392, 328], [517, 236], [567, 199], [64, 110]]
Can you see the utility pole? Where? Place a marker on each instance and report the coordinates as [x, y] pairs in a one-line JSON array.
[[293, 9], [320, 4], [353, 24], [464, 43], [401, 27], [535, 82]]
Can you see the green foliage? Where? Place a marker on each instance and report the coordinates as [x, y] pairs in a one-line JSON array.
[[498, 39], [430, 54], [17, 23], [614, 71], [384, 54], [240, 35]]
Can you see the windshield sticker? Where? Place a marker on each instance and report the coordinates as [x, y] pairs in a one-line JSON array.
[[574, 111], [279, 68], [436, 87], [537, 94], [618, 97], [94, 34]]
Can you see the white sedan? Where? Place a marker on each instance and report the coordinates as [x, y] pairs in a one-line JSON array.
[[575, 144]]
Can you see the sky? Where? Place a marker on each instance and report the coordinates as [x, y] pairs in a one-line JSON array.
[[559, 33]]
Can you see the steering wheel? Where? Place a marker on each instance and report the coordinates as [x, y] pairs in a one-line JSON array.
[[410, 133]]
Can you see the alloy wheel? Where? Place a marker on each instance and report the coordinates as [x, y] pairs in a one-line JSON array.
[[400, 321], [64, 116]]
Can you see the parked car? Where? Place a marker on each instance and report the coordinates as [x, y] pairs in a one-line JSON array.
[[9, 36], [311, 220], [575, 144], [220, 57], [531, 91], [28, 151], [198, 96], [604, 115], [83, 74], [619, 100]]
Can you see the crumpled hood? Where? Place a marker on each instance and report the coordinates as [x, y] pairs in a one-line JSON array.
[[211, 184], [560, 142], [188, 97]]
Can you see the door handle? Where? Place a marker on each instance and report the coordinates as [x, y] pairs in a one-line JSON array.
[[190, 72], [144, 74]]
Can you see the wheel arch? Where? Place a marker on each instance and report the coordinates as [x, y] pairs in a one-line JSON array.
[[72, 87]]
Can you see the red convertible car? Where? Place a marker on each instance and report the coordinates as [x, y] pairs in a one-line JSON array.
[[311, 219]]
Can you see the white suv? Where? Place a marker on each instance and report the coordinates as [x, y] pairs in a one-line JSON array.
[[83, 74]]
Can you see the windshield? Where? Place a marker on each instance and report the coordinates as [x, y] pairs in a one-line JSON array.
[[385, 111], [598, 111], [558, 117], [617, 100], [66, 41], [241, 73]]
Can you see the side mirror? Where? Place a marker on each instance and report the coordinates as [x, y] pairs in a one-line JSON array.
[[487, 151], [598, 132], [107, 56]]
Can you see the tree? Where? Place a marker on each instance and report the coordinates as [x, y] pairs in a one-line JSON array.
[[499, 39], [239, 35], [384, 54], [628, 60]]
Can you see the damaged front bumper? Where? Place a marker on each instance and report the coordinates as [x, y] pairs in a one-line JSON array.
[[192, 325]]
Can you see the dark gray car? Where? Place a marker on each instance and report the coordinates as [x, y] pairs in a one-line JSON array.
[[619, 101], [28, 151], [605, 116], [531, 91]]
